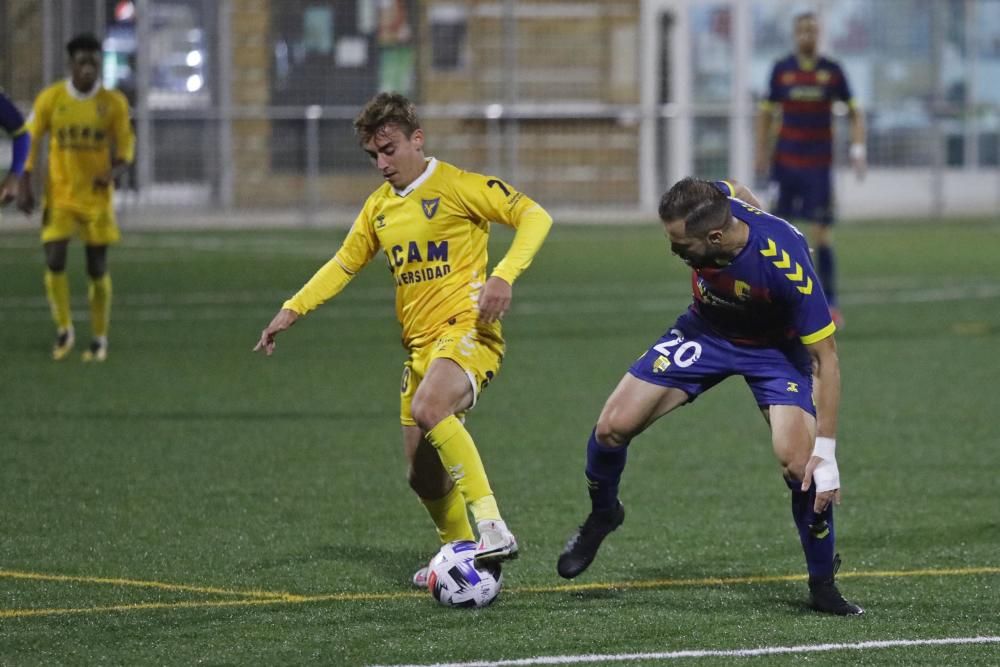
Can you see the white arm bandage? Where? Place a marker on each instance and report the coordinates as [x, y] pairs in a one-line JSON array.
[[858, 152], [826, 476]]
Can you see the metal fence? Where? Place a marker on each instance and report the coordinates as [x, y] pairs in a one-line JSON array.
[[590, 106]]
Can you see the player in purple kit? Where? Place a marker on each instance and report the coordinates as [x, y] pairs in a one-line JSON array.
[[12, 122], [758, 312], [803, 87]]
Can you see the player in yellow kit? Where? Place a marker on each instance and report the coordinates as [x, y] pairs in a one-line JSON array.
[[90, 144], [431, 220]]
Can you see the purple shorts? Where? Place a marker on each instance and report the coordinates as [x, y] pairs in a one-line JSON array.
[[692, 358], [804, 194]]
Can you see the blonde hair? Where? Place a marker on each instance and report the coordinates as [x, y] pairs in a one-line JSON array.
[[386, 109]]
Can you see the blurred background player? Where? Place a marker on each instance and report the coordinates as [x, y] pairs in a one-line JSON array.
[[12, 122], [759, 313], [803, 87], [90, 144], [432, 222]]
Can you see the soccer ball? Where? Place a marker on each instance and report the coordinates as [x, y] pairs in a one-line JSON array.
[[455, 580]]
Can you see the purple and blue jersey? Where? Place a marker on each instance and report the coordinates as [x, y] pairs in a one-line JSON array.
[[12, 123], [769, 293], [806, 91], [752, 318]]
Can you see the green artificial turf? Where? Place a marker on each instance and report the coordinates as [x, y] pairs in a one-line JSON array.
[[190, 502]]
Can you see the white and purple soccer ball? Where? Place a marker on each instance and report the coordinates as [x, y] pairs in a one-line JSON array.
[[455, 580]]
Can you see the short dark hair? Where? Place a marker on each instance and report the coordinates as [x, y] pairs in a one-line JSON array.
[[386, 109], [83, 42], [702, 206], [802, 16]]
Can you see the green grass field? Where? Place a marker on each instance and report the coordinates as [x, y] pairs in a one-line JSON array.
[[190, 502]]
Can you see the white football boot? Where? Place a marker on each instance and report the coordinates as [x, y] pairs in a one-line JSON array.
[[496, 543], [420, 577]]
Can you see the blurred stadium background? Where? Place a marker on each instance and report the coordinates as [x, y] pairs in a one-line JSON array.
[[243, 107]]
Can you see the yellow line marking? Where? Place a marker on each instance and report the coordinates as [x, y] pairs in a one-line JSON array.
[[143, 606], [265, 598], [38, 576]]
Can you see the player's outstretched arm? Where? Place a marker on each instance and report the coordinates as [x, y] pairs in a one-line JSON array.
[[326, 283], [285, 318], [822, 467]]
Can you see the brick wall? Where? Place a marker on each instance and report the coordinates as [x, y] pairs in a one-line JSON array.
[[21, 51]]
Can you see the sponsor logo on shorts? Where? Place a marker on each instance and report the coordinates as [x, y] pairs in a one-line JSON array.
[[661, 364]]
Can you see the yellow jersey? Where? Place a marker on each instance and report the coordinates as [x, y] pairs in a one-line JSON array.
[[433, 235], [83, 129]]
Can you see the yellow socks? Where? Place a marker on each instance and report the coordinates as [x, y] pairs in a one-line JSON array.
[[450, 516], [99, 295], [461, 459], [57, 292], [485, 509]]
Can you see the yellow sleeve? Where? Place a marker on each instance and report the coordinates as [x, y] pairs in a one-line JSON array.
[[121, 130], [38, 125], [489, 198], [355, 252]]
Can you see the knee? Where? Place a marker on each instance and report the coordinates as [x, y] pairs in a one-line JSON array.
[[97, 266], [612, 430], [427, 412], [795, 467], [55, 259]]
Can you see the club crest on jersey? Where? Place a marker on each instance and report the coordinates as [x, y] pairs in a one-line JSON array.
[[430, 206], [380, 221]]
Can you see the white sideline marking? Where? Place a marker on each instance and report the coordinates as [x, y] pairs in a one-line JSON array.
[[731, 653]]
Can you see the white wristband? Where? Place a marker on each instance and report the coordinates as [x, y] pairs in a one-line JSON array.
[[858, 152], [826, 475], [825, 448]]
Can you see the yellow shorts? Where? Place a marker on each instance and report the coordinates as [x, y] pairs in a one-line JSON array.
[[479, 352], [96, 228]]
